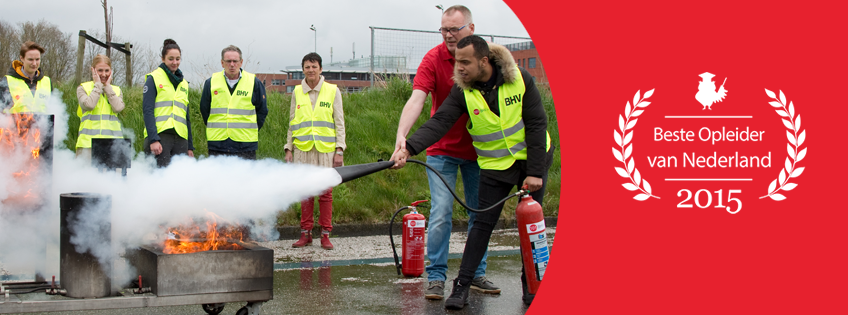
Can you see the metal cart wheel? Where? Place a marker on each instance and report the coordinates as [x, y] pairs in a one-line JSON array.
[[252, 308], [213, 309]]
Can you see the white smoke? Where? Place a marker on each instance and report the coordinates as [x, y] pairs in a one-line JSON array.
[[149, 198], [29, 223]]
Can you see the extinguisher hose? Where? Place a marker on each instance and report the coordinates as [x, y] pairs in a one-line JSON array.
[[392, 239], [445, 181]]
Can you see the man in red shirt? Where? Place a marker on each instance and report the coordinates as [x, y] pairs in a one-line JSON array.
[[449, 155]]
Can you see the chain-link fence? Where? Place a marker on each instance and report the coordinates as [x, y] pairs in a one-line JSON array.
[[401, 51]]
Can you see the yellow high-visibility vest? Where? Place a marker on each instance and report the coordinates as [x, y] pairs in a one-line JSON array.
[[23, 99], [99, 123], [314, 127], [498, 140], [232, 116], [171, 105]]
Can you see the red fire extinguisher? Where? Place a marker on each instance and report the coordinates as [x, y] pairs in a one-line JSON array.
[[413, 241], [534, 245]]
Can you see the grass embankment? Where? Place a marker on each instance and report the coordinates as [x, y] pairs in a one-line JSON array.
[[371, 120]]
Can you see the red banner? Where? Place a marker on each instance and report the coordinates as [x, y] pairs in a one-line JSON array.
[[701, 156]]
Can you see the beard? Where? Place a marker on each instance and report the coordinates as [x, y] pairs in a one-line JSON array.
[[480, 73]]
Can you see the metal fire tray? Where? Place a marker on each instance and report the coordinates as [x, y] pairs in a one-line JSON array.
[[209, 277], [218, 271]]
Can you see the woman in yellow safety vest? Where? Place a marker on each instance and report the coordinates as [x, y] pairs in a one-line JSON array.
[[316, 136], [99, 105], [167, 124], [25, 88]]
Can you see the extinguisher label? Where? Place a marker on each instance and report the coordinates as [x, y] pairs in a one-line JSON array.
[[414, 247], [536, 227], [539, 247]]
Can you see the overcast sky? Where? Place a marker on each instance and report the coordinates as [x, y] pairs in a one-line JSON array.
[[274, 34]]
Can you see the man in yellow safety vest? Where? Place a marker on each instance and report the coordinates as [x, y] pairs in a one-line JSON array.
[[508, 127], [234, 107]]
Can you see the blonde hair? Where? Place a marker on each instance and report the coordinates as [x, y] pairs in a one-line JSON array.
[[101, 58]]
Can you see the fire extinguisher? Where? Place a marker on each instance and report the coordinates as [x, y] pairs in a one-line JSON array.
[[413, 241], [531, 231], [534, 245]]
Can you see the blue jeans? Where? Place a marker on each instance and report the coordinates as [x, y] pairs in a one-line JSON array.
[[441, 210]]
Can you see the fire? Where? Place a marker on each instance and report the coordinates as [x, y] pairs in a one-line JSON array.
[[192, 238], [24, 132], [20, 137]]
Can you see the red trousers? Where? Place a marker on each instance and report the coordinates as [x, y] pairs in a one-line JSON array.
[[325, 208]]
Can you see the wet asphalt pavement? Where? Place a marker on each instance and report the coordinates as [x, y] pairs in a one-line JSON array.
[[359, 277]]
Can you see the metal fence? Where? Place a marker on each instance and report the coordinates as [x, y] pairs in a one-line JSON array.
[[396, 50]]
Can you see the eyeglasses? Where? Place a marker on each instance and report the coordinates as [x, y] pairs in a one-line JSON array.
[[453, 31], [231, 61]]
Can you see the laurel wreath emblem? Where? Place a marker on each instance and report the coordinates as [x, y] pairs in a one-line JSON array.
[[796, 154], [626, 148]]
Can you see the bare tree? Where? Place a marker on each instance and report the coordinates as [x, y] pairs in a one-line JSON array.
[[107, 13], [144, 60], [9, 45], [58, 59]]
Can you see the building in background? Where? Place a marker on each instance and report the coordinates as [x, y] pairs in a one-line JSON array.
[[355, 75], [527, 57], [273, 81]]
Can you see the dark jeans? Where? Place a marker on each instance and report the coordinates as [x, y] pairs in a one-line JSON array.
[[491, 191], [247, 155], [172, 144]]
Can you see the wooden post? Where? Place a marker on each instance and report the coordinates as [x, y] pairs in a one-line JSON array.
[[128, 57], [80, 56]]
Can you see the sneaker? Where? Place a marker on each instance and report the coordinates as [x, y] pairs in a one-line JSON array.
[[325, 240], [459, 296], [435, 290], [484, 285], [305, 239]]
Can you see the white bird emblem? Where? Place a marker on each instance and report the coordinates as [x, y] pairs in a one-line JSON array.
[[707, 95]]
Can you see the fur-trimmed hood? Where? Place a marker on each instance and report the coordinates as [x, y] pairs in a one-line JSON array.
[[502, 58]]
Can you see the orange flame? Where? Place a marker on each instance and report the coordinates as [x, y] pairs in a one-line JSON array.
[[191, 238], [23, 138]]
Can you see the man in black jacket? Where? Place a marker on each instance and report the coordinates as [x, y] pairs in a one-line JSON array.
[[486, 83]]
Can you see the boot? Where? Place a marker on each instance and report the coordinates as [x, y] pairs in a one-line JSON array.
[[305, 239], [325, 240], [459, 296]]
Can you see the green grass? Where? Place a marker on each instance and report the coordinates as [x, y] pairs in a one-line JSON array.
[[371, 120]]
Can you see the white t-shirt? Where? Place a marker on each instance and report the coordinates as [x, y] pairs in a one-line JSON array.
[[232, 83]]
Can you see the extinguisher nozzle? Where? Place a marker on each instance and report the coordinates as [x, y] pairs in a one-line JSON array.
[[351, 172]]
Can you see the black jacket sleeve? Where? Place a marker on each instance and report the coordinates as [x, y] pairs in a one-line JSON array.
[[188, 126], [190, 137], [148, 104], [5, 96], [260, 102], [206, 101], [535, 127], [437, 126]]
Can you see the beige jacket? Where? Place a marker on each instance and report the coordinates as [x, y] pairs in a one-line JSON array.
[[313, 156], [88, 102]]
